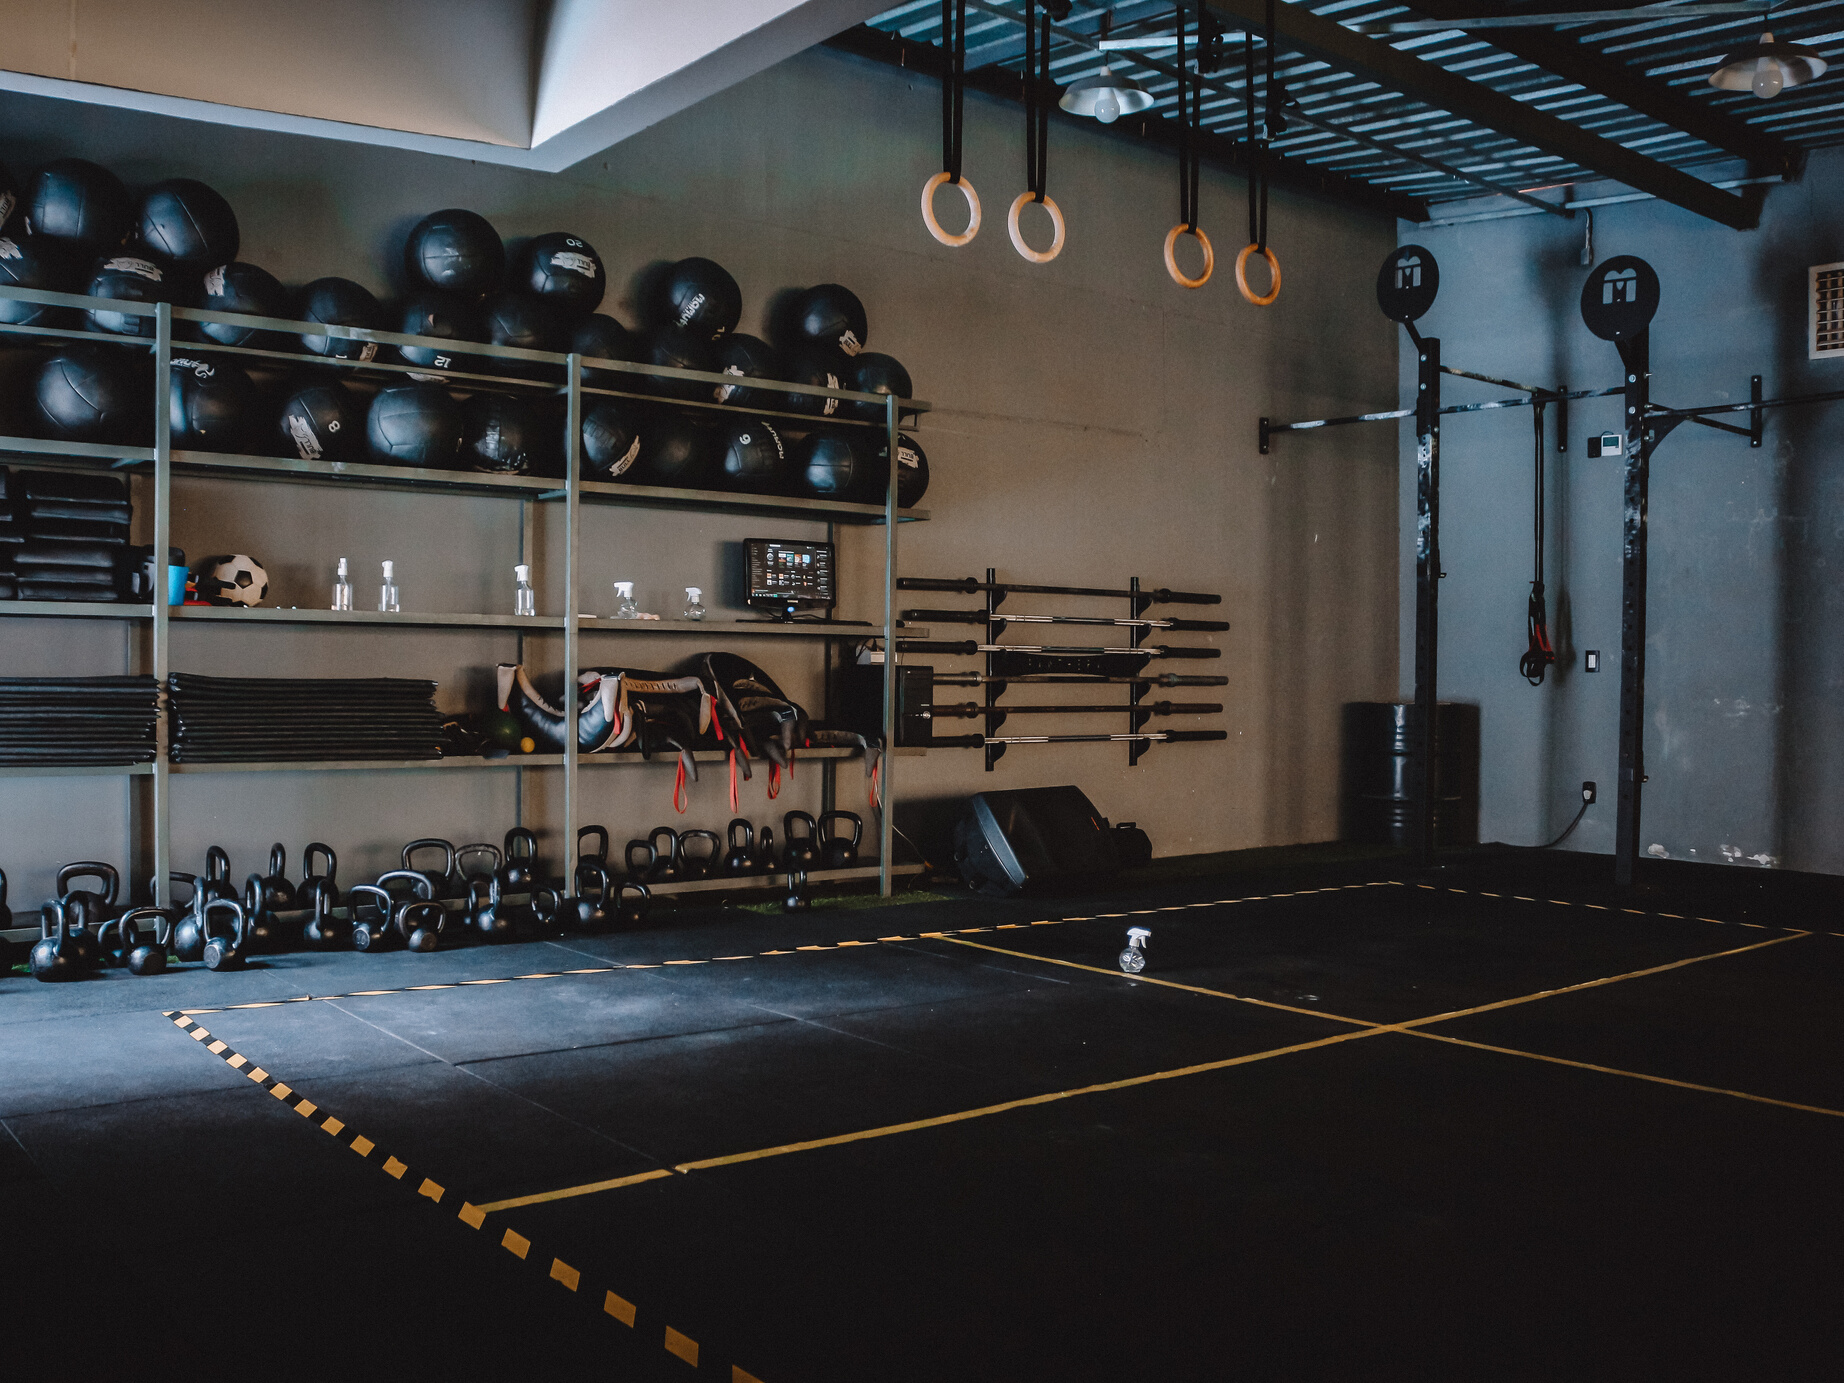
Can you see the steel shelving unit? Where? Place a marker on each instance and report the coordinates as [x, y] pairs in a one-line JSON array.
[[159, 464]]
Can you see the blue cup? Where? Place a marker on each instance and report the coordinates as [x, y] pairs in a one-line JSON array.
[[176, 585]]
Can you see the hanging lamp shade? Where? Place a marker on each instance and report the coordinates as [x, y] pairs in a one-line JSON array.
[[1105, 96], [1766, 67]]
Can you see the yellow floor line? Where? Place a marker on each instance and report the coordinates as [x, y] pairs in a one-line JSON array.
[[588, 1189]]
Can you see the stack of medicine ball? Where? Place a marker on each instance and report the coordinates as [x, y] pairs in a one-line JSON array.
[[76, 228]]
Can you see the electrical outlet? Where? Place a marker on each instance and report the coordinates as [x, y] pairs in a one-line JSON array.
[[1587, 792], [1591, 660]]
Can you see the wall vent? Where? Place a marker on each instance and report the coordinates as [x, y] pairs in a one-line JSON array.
[[1826, 340]]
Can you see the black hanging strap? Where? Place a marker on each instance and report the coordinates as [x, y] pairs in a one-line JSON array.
[[1190, 115], [1036, 114], [1540, 654], [954, 44], [1257, 147]]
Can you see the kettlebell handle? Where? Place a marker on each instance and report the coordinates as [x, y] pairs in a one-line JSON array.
[[430, 843], [163, 923], [480, 848], [217, 865], [587, 869], [672, 844], [519, 835], [307, 862], [787, 826], [749, 834], [239, 920], [2, 888], [601, 834], [278, 861], [645, 864], [423, 885], [380, 899], [853, 817], [92, 869]]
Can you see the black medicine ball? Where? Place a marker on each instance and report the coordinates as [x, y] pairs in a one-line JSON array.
[[28, 262], [449, 319], [324, 421], [531, 324], [185, 222], [678, 349], [500, 433], [340, 303], [701, 296], [414, 425], [872, 373], [911, 475], [611, 438], [674, 451], [91, 394], [562, 269], [81, 203], [827, 464], [829, 314], [754, 456], [746, 357], [211, 405], [240, 288], [600, 337], [127, 279], [456, 252], [822, 367]]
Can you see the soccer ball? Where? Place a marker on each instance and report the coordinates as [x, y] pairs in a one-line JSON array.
[[234, 580]]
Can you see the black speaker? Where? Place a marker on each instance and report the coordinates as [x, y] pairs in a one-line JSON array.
[[1033, 838], [861, 703]]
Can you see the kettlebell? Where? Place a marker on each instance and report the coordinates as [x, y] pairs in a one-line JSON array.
[[444, 884], [312, 884], [481, 850], [93, 909], [600, 854], [741, 858], [765, 851], [217, 880], [189, 930], [224, 952], [632, 903], [485, 910], [278, 893], [519, 871], [53, 958], [323, 930], [146, 959], [588, 910], [640, 859], [262, 929], [666, 863], [371, 933], [836, 852], [422, 911], [697, 864], [547, 909], [115, 939], [799, 851], [797, 899], [6, 913]]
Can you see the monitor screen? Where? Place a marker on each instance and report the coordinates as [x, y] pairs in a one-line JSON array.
[[786, 576]]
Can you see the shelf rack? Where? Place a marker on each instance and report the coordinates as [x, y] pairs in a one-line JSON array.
[[161, 462]]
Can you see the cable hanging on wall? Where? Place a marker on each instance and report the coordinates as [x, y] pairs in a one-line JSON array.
[[1190, 114], [1039, 90], [1257, 149], [953, 84], [1540, 654]]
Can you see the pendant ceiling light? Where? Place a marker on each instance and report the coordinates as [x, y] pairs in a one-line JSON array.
[[1105, 96], [1766, 67]]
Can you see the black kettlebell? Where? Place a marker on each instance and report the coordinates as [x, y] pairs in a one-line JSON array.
[[113, 943], [217, 880], [741, 858], [599, 855], [224, 952], [519, 871], [697, 864], [640, 859], [189, 931], [483, 851], [765, 850], [588, 910], [312, 884], [422, 912], [278, 893], [486, 911], [6, 913], [666, 862], [445, 884], [93, 909], [371, 933], [262, 929], [797, 899], [323, 930], [799, 851], [632, 904], [54, 958], [836, 852], [547, 910], [145, 958]]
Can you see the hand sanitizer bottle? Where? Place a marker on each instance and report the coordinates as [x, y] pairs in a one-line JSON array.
[[625, 608], [342, 587], [524, 599], [387, 593], [694, 605]]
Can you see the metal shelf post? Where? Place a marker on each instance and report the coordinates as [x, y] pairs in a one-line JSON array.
[[886, 804], [162, 651], [572, 595]]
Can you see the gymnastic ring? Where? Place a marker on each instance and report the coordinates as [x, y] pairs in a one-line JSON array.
[[1274, 266], [1171, 260], [934, 226], [1056, 219]]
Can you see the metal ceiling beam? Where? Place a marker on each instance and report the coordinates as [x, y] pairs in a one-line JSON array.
[[1302, 31], [1575, 61], [926, 58]]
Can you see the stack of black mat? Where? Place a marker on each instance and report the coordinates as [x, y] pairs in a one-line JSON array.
[[299, 719], [77, 720], [63, 535]]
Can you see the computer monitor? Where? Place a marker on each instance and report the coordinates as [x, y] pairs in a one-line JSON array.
[[787, 577]]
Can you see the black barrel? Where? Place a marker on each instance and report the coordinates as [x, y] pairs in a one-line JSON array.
[[1376, 805]]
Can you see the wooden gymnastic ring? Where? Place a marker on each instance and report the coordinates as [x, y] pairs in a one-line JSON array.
[[1171, 260], [1242, 282], [1056, 219], [934, 226]]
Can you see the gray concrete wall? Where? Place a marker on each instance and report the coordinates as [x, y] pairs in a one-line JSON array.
[[1094, 422], [1744, 722]]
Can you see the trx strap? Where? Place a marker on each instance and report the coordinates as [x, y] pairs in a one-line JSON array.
[[1255, 146], [1036, 117], [1540, 654], [681, 799], [1190, 115], [953, 83]]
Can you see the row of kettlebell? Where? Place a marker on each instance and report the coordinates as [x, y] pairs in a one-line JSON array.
[[831, 842], [82, 930]]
